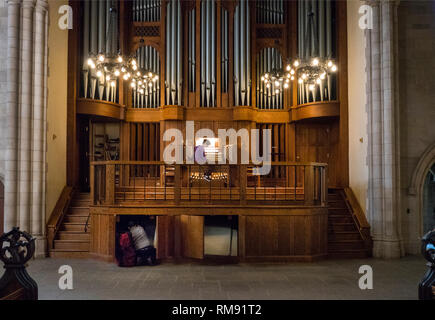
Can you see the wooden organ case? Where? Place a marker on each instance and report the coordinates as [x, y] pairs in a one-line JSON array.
[[209, 56]]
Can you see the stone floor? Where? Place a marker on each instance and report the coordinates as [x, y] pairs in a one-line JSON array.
[[330, 279]]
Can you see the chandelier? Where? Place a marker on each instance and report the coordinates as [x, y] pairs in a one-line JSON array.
[[308, 71], [113, 67]]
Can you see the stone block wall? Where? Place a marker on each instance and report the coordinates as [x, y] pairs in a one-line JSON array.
[[416, 41]]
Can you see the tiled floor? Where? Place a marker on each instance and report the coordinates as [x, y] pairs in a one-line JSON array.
[[330, 279]]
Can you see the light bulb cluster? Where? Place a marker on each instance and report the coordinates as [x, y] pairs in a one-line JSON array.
[[113, 67], [277, 79], [311, 72]]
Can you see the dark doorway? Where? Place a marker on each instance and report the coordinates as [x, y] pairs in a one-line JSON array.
[[221, 236], [83, 142]]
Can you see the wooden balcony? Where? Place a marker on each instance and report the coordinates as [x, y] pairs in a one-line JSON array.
[[139, 183]]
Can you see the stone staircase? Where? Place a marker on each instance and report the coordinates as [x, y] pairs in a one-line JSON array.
[[72, 241], [344, 238]]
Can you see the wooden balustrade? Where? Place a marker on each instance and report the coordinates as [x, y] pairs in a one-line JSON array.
[[287, 183], [58, 214]]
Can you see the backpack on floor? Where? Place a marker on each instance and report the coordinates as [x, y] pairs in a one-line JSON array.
[[128, 254]]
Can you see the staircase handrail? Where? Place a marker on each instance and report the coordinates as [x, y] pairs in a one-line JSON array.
[[358, 216], [58, 214]]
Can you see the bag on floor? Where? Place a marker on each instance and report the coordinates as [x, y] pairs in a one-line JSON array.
[[128, 254]]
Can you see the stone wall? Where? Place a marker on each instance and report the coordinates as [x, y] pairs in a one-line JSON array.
[[416, 40], [3, 81], [358, 169]]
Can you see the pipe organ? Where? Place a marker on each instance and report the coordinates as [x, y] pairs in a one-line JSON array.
[[208, 58], [272, 96], [224, 49], [208, 53], [316, 20], [100, 35], [191, 51], [148, 60], [173, 77], [242, 53], [212, 53], [146, 10], [270, 11]]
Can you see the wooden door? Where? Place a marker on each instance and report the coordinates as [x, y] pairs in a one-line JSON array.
[[317, 142], [163, 237], [192, 236], [83, 139]]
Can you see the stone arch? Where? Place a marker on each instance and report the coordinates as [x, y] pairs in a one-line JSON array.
[[416, 186]]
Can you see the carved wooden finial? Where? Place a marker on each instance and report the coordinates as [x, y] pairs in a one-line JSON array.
[[16, 248]]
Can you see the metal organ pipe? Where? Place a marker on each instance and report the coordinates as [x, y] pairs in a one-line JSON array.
[[100, 35], [148, 59], [320, 46], [174, 61], [192, 49], [224, 50], [267, 98], [146, 10], [242, 66], [208, 53], [270, 11]]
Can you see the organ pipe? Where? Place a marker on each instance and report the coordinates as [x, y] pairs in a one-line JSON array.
[[224, 50], [148, 59], [100, 35], [267, 97], [315, 39], [270, 11], [173, 81], [146, 10], [192, 50], [208, 53], [242, 67]]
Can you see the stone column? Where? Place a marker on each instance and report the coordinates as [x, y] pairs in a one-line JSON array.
[[37, 223], [383, 126], [11, 159], [25, 116]]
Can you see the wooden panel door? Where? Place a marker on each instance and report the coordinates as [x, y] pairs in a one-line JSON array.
[[163, 237], [192, 236]]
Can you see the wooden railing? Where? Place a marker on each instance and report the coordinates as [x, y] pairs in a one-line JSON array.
[[58, 214], [358, 216], [118, 182]]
